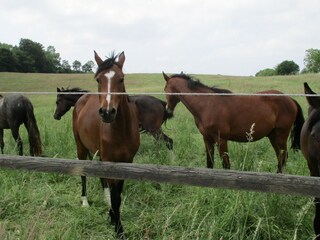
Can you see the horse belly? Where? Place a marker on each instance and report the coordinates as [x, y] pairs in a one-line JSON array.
[[248, 131]]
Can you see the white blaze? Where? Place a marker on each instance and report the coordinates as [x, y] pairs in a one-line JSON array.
[[109, 75]]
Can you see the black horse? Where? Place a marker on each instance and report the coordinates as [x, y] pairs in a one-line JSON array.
[[151, 111], [16, 109]]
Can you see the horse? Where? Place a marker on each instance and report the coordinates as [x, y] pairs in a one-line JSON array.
[[16, 109], [107, 125], [222, 117], [151, 111], [310, 146]]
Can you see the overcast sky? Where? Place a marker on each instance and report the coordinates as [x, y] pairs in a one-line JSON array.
[[230, 37]]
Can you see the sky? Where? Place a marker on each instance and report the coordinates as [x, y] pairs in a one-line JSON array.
[[229, 37]]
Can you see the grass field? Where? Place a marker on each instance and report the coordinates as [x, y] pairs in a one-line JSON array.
[[47, 206]]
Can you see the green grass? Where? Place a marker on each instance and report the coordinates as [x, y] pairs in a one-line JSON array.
[[47, 206]]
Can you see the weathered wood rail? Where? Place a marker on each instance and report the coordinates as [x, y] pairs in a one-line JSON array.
[[216, 178]]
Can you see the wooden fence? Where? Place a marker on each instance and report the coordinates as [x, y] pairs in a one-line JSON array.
[[216, 178]]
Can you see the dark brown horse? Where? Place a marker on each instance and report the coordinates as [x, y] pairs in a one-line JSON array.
[[310, 146], [16, 109], [220, 118], [151, 111], [109, 128]]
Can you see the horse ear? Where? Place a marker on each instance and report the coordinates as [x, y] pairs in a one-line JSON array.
[[121, 60], [97, 58], [58, 89], [166, 77], [313, 101]]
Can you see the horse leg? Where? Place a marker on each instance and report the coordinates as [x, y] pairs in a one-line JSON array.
[[116, 189], [106, 191], [279, 144], [1, 140], [223, 151], [316, 220], [168, 140], [158, 134], [209, 151], [17, 138], [82, 153], [314, 171]]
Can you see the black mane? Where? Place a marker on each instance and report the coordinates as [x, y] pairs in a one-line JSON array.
[[108, 63], [75, 89], [194, 83]]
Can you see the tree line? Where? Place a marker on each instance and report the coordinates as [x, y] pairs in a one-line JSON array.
[[32, 57], [311, 62]]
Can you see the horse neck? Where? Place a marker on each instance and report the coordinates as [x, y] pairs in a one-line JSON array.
[[193, 103], [126, 114], [73, 98]]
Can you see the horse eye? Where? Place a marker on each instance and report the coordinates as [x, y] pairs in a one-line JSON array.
[[121, 80]]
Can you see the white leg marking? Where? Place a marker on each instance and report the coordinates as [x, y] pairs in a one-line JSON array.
[[107, 196], [109, 75], [84, 201]]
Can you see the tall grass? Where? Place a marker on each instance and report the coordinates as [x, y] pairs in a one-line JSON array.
[[47, 206]]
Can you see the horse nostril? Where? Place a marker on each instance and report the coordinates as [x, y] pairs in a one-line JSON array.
[[113, 111]]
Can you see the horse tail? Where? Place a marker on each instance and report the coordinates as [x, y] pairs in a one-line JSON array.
[[297, 126], [33, 132], [166, 116]]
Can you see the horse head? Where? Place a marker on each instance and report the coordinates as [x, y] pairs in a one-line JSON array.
[[172, 99], [110, 79]]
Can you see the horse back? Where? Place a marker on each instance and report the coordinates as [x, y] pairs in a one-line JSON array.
[[14, 110], [150, 110]]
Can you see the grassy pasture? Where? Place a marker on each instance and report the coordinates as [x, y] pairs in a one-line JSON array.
[[47, 206]]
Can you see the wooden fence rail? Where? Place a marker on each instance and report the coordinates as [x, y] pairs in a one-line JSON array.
[[216, 178]]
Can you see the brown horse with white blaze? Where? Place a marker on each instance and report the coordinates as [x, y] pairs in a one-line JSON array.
[[220, 118], [310, 146], [116, 139]]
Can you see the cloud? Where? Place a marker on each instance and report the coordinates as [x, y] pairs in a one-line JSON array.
[[197, 36]]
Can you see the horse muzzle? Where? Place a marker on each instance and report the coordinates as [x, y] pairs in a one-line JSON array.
[[108, 116], [57, 117], [169, 113]]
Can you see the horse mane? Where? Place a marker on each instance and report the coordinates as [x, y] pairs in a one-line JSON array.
[[194, 83], [108, 63], [74, 89]]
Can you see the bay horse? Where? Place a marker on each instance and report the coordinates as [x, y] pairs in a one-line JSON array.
[[310, 146], [220, 118], [151, 111], [110, 128], [16, 109]]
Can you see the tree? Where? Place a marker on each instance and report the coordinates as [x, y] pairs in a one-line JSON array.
[[287, 68], [65, 67], [8, 62], [52, 59], [76, 65], [312, 60], [266, 72], [35, 51], [25, 62], [88, 66]]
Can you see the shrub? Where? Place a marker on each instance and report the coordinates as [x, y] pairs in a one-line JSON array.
[[287, 68], [266, 72]]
